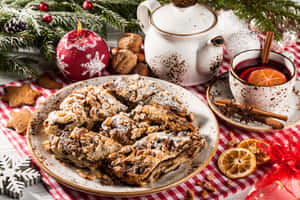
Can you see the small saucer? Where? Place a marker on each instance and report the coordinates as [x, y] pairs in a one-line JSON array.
[[219, 89]]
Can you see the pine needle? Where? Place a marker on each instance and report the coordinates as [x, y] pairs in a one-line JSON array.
[[275, 15], [20, 65]]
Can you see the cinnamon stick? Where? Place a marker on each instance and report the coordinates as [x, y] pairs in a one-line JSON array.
[[265, 54], [261, 118], [270, 121], [252, 110]]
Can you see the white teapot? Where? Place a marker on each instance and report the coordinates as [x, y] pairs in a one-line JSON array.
[[181, 44]]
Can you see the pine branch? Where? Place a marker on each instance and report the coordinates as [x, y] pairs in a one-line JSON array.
[[19, 3], [49, 42], [57, 6], [112, 18], [268, 15], [68, 21], [11, 42], [20, 65], [114, 2], [48, 47], [33, 18]]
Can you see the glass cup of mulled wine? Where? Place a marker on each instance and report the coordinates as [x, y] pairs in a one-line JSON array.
[[263, 86]]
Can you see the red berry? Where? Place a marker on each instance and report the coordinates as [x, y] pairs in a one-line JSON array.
[[43, 7], [47, 18], [87, 5]]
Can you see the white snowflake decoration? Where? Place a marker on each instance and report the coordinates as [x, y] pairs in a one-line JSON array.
[[69, 45], [94, 66], [60, 62], [16, 175]]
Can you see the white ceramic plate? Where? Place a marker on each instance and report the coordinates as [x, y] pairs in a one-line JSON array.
[[219, 89], [205, 119]]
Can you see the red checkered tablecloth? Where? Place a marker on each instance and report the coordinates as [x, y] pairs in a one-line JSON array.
[[60, 192]]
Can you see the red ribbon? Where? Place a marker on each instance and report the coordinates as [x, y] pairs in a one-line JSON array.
[[286, 159]]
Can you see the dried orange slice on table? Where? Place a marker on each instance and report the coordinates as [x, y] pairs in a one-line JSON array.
[[237, 163], [266, 77], [258, 148]]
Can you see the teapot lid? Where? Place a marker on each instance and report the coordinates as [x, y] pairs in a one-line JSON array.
[[183, 21]]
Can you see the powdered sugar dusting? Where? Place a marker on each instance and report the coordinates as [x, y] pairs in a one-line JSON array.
[[203, 117]]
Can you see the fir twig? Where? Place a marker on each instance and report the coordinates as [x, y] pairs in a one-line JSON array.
[[275, 15], [20, 65], [111, 17], [14, 42]]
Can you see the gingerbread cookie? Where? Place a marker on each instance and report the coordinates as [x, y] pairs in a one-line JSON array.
[[45, 82], [19, 120], [17, 96]]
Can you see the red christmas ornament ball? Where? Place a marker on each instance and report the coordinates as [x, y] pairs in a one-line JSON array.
[[87, 5], [82, 57], [47, 18], [43, 7]]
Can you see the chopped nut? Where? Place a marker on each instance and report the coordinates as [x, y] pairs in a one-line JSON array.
[[114, 51], [191, 117], [141, 69], [141, 57], [228, 183], [46, 146], [231, 134], [203, 193], [199, 183], [208, 186], [190, 195], [91, 177], [232, 142], [82, 173], [210, 176]]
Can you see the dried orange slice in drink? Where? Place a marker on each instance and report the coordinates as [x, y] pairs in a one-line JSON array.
[[237, 163], [266, 77], [258, 147]]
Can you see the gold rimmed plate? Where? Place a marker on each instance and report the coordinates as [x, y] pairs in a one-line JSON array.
[[204, 118], [219, 89]]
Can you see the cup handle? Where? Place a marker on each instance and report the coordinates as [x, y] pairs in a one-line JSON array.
[[289, 55], [143, 13]]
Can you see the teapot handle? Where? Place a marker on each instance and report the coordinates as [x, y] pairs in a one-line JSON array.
[[143, 13], [217, 41]]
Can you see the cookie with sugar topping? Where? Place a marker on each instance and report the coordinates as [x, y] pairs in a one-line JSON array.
[[19, 120]]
